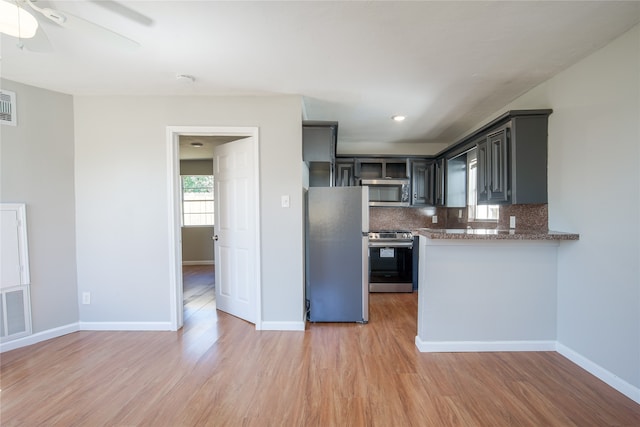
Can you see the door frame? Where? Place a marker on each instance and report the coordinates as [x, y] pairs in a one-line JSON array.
[[176, 298]]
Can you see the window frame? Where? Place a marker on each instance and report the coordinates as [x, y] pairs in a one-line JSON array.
[[183, 214], [472, 194]]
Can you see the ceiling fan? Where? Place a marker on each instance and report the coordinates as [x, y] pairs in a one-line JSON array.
[[26, 17]]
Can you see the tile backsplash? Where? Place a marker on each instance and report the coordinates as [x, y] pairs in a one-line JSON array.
[[528, 217], [386, 218]]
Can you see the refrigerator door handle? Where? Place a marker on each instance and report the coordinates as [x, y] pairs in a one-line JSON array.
[[365, 279], [365, 209]]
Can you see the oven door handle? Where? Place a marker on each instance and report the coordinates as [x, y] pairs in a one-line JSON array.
[[374, 244]]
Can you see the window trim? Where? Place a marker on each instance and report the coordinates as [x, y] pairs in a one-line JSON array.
[[182, 202], [472, 193]]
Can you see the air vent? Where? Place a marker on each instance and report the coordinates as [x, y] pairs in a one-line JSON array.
[[7, 108]]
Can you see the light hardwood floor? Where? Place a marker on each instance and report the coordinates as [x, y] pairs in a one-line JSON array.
[[199, 295], [220, 371]]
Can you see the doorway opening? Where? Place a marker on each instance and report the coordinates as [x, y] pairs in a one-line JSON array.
[[199, 296], [197, 228], [192, 249]]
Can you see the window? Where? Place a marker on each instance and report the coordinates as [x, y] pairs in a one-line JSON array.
[[477, 212], [197, 200]]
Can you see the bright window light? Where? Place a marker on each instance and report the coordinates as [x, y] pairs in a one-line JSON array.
[[477, 212], [197, 200]]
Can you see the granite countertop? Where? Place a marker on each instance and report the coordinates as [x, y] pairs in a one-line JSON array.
[[493, 234]]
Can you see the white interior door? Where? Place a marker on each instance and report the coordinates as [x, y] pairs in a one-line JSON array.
[[15, 301], [235, 228], [13, 247], [10, 249]]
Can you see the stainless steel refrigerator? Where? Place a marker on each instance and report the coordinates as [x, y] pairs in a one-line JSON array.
[[337, 254]]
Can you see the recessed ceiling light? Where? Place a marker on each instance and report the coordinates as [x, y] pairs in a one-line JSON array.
[[398, 118], [197, 144], [186, 78]]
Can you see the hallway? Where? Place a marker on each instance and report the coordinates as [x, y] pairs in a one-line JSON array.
[[199, 296]]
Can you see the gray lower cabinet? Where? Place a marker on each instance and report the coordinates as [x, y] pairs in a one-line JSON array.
[[345, 173], [422, 183]]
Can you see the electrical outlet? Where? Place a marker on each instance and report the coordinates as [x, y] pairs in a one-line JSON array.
[[512, 222], [284, 201], [434, 219], [86, 297]]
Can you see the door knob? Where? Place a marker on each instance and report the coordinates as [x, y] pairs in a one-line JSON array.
[[215, 237]]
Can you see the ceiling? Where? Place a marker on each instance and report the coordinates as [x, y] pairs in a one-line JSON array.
[[446, 66], [199, 147]]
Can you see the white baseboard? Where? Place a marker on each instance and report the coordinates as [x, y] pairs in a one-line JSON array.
[[598, 371], [629, 390], [203, 262], [83, 326], [39, 337], [482, 346], [125, 326], [282, 326]]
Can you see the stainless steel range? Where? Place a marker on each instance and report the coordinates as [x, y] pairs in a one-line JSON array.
[[390, 261]]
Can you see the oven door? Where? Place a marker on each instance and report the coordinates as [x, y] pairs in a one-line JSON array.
[[390, 268]]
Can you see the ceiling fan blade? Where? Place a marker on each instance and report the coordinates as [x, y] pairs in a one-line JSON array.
[[39, 43], [90, 29], [125, 11], [70, 21]]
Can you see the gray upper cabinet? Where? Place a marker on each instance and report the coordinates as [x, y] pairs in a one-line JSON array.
[[528, 159], [512, 162], [511, 154], [493, 168], [319, 151], [345, 172], [373, 168], [319, 141], [369, 169], [422, 183], [440, 170], [483, 156]]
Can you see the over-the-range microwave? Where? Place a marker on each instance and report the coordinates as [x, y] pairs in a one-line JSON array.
[[387, 191]]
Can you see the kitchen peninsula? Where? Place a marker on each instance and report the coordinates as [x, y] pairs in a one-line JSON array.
[[488, 289]]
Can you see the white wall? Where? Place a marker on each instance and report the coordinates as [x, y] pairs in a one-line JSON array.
[[121, 200], [594, 190], [37, 169]]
